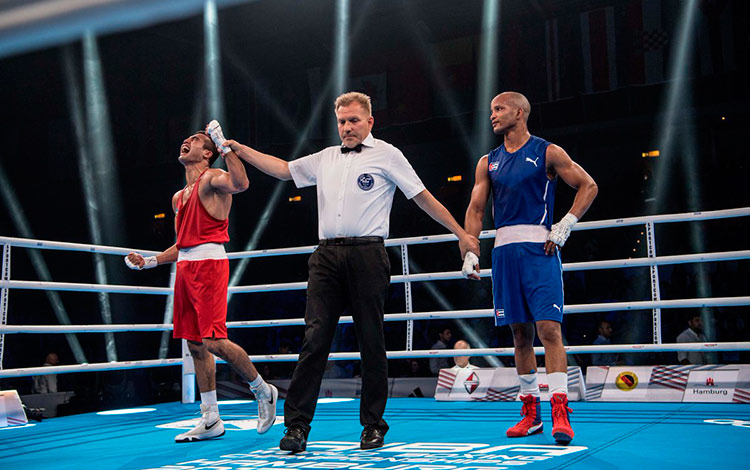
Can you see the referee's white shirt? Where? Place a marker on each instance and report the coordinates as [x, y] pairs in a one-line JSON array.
[[355, 190]]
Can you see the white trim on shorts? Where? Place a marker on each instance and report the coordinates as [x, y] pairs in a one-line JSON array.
[[521, 234], [201, 252]]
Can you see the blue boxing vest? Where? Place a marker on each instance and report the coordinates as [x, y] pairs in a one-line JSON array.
[[521, 192]]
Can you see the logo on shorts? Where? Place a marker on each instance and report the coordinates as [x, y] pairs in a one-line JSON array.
[[499, 313], [626, 381], [494, 166], [557, 307], [365, 181], [471, 383]]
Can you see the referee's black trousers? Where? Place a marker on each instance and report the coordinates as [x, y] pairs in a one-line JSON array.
[[353, 275]]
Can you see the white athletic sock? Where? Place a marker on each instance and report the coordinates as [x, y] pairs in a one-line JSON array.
[[529, 385], [209, 398], [259, 387], [558, 383]]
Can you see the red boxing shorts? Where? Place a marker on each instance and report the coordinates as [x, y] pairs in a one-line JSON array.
[[200, 299]]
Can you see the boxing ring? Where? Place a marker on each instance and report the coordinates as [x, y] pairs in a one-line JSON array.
[[424, 433]]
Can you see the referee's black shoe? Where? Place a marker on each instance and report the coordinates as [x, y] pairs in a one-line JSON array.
[[294, 440], [371, 438]]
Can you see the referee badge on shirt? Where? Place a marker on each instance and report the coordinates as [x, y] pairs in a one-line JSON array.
[[365, 181]]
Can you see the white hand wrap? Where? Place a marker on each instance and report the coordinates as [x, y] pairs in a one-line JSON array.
[[148, 263], [470, 260], [561, 230], [214, 131]]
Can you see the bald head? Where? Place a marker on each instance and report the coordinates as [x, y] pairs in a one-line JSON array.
[[461, 361], [518, 101], [52, 359]]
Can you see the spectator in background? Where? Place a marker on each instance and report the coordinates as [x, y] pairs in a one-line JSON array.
[[692, 334], [412, 368], [462, 362], [47, 383], [283, 370], [444, 339], [605, 337]]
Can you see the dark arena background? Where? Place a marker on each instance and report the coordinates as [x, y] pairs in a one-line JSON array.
[[649, 96]]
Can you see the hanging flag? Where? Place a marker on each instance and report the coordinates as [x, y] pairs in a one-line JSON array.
[[649, 42], [598, 47]]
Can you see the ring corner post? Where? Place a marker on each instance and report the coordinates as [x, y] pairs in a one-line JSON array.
[[188, 375]]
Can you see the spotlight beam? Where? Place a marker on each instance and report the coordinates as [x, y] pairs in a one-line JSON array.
[[676, 93], [278, 191], [98, 173], [335, 79], [679, 98], [341, 56], [212, 63], [487, 80], [37, 261], [445, 93]]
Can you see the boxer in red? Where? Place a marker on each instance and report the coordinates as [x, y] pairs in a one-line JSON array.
[[200, 291]]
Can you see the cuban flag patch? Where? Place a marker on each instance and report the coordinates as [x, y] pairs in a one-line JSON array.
[[499, 313]]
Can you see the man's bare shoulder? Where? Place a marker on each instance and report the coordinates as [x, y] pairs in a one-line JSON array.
[[210, 174], [214, 172], [555, 150], [175, 199]]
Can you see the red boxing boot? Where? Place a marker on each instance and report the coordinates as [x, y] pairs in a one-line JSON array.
[[532, 418], [561, 430]]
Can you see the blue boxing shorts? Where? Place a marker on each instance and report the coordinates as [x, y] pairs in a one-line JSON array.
[[527, 284]]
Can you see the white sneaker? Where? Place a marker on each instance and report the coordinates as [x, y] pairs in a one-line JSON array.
[[210, 425], [267, 409]]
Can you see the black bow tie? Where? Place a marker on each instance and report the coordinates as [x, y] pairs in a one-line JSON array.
[[357, 148]]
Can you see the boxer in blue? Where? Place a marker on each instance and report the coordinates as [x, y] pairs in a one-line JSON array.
[[521, 175]]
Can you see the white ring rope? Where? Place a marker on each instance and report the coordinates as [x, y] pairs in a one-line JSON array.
[[474, 313], [445, 314], [349, 356], [664, 218], [609, 223], [399, 278]]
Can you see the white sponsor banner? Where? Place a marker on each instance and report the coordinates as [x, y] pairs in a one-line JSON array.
[[670, 383], [471, 383], [498, 384], [626, 383], [711, 386], [11, 410]]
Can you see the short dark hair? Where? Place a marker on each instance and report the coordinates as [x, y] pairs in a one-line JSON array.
[[210, 146], [441, 329]]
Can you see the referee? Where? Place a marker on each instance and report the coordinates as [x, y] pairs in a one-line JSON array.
[[350, 269]]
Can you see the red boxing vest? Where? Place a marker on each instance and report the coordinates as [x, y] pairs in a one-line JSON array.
[[195, 225]]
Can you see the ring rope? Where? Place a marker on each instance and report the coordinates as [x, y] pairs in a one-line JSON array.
[[347, 356], [400, 278], [446, 314], [477, 313], [609, 223]]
